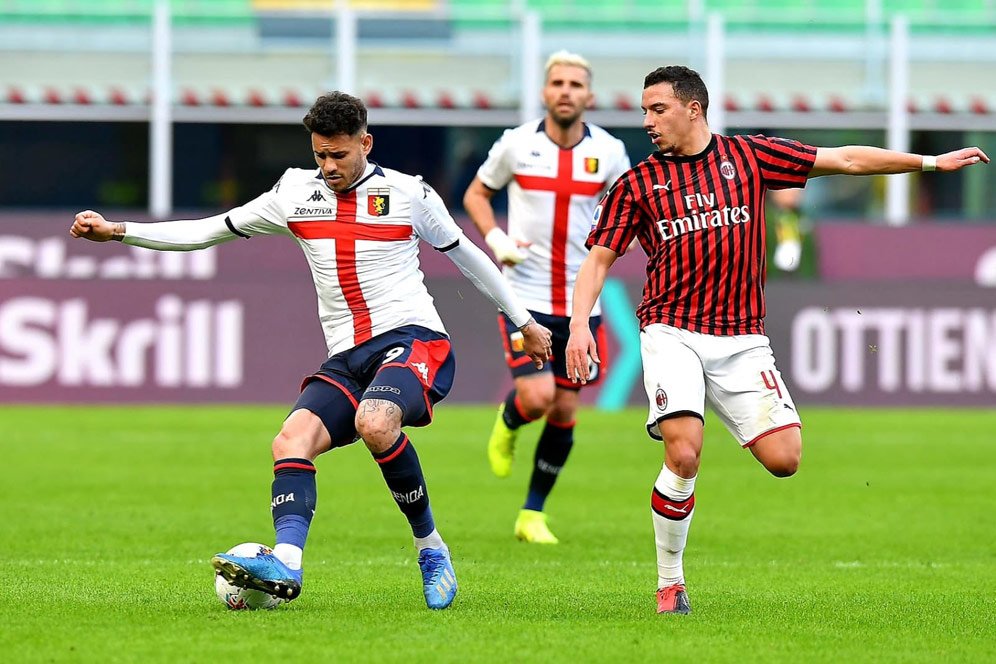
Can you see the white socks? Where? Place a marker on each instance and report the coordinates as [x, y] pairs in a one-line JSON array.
[[289, 555], [430, 541], [672, 505]]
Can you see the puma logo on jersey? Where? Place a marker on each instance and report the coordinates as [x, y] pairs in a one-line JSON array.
[[666, 186]]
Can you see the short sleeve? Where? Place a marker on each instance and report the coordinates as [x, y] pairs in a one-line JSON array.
[[614, 223], [431, 220], [496, 171], [782, 162], [264, 215]]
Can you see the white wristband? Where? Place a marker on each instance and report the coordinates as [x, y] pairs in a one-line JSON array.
[[929, 163]]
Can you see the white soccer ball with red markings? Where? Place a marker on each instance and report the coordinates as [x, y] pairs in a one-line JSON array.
[[238, 599]]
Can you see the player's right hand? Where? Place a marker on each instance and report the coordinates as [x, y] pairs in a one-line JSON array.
[[506, 250], [537, 343], [580, 347], [91, 225]]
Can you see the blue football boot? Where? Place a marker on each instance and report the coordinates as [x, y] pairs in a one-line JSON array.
[[438, 578], [263, 572]]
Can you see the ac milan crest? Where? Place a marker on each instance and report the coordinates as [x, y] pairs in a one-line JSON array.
[[661, 399], [727, 170]]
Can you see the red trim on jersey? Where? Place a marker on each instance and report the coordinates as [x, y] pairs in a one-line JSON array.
[[568, 384], [427, 355], [315, 229], [401, 447], [298, 466], [771, 431], [563, 185], [328, 380]]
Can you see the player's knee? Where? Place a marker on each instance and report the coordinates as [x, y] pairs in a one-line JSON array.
[[377, 428], [784, 460], [684, 456], [561, 414], [535, 400], [784, 464], [287, 445]]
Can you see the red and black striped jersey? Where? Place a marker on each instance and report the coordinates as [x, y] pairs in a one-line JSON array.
[[700, 220]]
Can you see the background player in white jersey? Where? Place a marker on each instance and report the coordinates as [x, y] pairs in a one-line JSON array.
[[389, 355], [555, 170]]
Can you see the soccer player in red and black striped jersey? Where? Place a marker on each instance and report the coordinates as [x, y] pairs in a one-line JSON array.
[[696, 206]]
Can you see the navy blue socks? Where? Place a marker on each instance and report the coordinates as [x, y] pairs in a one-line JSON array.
[[294, 499], [552, 451], [403, 474]]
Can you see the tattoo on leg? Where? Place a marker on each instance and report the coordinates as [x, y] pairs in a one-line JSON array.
[[380, 406]]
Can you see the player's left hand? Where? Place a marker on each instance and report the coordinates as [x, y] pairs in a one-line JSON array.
[[787, 255], [953, 161], [537, 343], [580, 346]]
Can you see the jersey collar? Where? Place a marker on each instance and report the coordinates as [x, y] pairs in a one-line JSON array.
[[542, 128], [691, 157], [372, 169]]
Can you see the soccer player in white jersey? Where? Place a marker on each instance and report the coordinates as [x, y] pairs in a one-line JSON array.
[[389, 358], [555, 169]]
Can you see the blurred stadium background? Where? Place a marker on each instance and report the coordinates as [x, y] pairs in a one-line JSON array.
[[156, 109]]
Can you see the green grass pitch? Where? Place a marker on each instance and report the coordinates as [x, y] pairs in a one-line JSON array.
[[881, 549]]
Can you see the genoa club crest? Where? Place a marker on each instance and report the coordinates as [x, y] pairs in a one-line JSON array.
[[378, 201], [591, 164]]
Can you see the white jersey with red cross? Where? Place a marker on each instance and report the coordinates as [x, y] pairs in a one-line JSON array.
[[552, 194], [361, 245]]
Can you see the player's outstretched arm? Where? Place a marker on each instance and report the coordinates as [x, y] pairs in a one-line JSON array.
[[587, 287], [476, 266], [179, 235], [477, 203], [867, 160]]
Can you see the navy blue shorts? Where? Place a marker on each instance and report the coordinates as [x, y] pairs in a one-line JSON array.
[[559, 326], [410, 366]]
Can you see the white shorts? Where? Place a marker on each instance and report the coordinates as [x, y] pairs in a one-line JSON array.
[[737, 375]]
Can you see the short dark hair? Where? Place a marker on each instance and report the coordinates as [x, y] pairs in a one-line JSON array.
[[687, 84], [336, 114]]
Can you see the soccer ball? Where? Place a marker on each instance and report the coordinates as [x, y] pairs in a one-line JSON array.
[[236, 598]]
